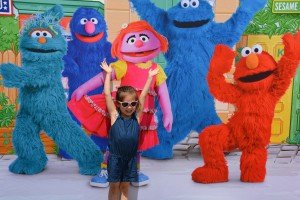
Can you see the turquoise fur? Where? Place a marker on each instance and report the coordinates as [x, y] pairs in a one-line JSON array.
[[42, 99]]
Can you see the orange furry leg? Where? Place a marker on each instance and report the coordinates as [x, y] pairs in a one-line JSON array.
[[253, 165], [211, 142]]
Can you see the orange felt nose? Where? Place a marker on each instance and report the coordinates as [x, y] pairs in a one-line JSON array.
[[42, 40], [139, 43], [252, 61]]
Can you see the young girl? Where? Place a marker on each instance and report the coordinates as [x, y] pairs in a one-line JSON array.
[[135, 46], [124, 133]]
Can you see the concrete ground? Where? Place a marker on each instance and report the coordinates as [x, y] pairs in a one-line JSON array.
[[170, 180]]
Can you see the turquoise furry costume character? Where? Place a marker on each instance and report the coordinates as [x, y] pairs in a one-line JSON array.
[[42, 99], [193, 34]]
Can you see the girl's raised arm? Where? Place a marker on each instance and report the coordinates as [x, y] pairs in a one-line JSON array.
[[145, 91], [108, 98]]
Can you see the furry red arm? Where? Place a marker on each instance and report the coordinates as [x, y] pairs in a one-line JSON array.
[[221, 90], [287, 66]]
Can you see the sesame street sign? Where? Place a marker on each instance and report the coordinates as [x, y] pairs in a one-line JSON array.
[[5, 7], [286, 6]]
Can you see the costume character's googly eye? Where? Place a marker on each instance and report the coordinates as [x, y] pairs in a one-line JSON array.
[[36, 34], [83, 21], [94, 20], [131, 40], [185, 3], [194, 3], [246, 51], [47, 34], [144, 38], [257, 49]]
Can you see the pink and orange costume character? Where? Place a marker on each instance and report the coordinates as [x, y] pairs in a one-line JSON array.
[[259, 83], [135, 46]]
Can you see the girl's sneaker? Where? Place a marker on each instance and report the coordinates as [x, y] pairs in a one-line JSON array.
[[143, 180], [100, 180]]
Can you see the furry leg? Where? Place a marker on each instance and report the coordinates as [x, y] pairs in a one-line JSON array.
[[62, 152], [179, 131], [101, 142], [70, 137], [29, 147], [162, 151], [253, 165], [211, 142]]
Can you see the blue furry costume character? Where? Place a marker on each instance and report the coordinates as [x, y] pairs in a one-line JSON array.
[[87, 49], [193, 35], [42, 99]]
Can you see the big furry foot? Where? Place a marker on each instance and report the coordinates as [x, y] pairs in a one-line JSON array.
[[22, 166], [253, 175], [210, 175], [159, 152]]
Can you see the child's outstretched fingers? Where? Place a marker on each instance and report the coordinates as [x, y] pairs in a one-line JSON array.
[[153, 72], [105, 67]]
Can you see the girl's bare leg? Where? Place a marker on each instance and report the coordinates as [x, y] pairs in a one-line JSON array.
[[124, 187], [114, 191]]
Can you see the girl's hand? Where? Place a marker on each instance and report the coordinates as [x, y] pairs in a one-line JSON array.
[[105, 67], [152, 73]]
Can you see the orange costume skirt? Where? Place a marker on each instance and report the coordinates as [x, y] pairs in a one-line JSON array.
[[92, 113]]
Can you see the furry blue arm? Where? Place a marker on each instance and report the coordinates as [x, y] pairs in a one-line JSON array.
[[229, 32], [13, 76], [109, 58], [71, 68], [155, 16]]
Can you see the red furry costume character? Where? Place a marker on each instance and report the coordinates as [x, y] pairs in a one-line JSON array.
[[259, 84]]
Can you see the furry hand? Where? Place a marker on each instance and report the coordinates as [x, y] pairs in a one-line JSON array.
[[71, 68], [79, 93], [11, 75], [222, 59], [168, 121], [292, 46], [253, 5]]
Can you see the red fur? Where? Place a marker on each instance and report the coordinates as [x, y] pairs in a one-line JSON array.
[[250, 127]]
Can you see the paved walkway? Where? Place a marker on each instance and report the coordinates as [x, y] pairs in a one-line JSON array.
[[283, 153], [170, 180]]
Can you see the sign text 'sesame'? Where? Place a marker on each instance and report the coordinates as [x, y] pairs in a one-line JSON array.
[[286, 6]]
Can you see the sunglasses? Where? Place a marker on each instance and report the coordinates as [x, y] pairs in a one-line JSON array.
[[126, 104]]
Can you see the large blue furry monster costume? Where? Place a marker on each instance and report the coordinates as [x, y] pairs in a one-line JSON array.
[[192, 34], [85, 54], [87, 49], [42, 99]]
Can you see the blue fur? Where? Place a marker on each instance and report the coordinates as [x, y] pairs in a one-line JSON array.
[[43, 103], [190, 51], [82, 61]]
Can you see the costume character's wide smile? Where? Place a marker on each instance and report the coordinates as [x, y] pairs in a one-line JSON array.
[[191, 24]]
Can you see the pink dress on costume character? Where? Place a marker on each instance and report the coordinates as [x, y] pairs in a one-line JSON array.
[[92, 112], [135, 46]]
